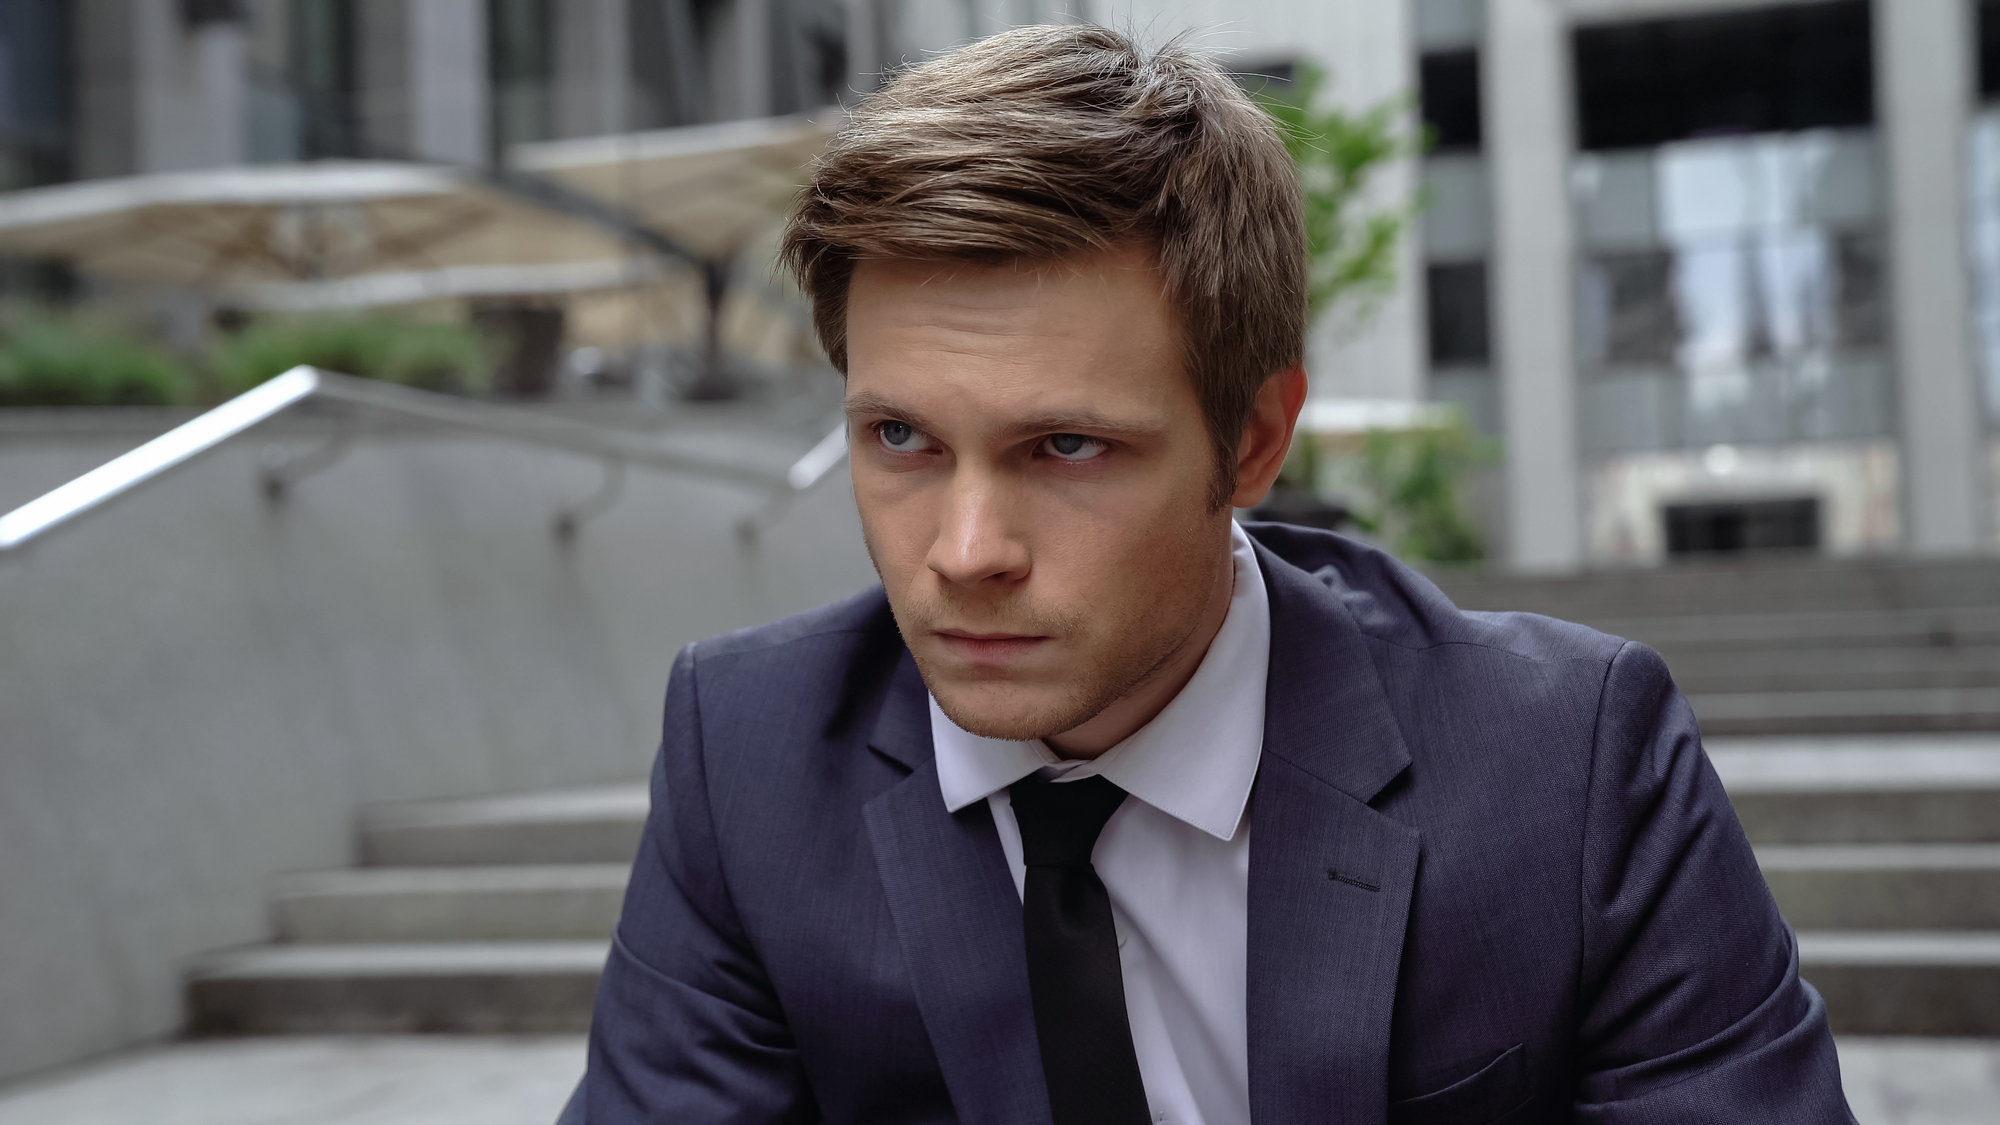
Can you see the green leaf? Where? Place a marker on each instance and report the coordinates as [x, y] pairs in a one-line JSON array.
[[1350, 246]]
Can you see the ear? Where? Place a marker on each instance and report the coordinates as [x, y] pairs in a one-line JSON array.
[[1268, 435]]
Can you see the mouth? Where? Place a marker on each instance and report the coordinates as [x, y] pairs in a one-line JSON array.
[[988, 648]]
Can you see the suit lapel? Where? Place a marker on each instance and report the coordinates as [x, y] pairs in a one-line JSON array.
[[958, 922], [1330, 878]]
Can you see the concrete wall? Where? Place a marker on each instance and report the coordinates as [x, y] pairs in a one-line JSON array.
[[197, 687]]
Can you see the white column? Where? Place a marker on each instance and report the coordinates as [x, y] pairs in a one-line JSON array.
[[188, 86], [448, 81], [592, 70], [221, 72], [1923, 65], [1526, 67]]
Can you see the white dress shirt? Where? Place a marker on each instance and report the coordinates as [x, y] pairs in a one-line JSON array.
[[1175, 858]]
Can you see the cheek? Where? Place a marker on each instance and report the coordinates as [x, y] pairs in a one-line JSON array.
[[897, 523], [1126, 560]]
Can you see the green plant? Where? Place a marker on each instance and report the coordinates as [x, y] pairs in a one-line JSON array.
[[1414, 478], [1351, 248], [50, 360], [429, 356], [1408, 481]]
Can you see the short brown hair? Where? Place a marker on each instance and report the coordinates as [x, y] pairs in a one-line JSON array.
[[1043, 142]]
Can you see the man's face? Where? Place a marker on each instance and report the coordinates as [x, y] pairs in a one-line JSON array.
[[1034, 480]]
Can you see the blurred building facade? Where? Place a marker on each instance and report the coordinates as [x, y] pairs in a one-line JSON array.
[[94, 88], [1715, 271], [1722, 274]]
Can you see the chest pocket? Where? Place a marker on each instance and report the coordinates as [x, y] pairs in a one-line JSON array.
[[1486, 1097]]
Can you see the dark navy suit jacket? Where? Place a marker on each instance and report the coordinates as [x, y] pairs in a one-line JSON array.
[[1493, 878]]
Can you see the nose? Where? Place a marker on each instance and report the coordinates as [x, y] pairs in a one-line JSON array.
[[977, 544]]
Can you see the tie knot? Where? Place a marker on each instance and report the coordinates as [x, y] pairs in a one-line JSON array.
[[1060, 820]]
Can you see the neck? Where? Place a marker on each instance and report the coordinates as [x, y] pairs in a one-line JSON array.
[[1143, 703]]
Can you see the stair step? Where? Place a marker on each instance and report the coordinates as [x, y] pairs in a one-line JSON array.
[[1841, 712], [465, 903], [1786, 674], [1909, 983], [1775, 632], [1740, 585], [479, 987], [1885, 886], [600, 824], [1884, 789]]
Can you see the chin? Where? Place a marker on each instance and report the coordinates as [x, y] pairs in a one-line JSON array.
[[1010, 711]]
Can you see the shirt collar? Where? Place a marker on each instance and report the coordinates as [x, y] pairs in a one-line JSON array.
[[1195, 761]]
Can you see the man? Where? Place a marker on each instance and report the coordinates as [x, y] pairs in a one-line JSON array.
[[1101, 810]]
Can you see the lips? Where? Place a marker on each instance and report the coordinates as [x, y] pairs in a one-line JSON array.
[[988, 648]]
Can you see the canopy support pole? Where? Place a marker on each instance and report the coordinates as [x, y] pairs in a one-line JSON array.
[[714, 384]]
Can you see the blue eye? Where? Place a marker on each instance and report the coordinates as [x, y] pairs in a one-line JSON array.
[[1073, 447], [900, 437]]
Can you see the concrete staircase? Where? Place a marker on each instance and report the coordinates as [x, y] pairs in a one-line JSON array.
[[485, 915], [1795, 646], [492, 915], [1884, 854], [1884, 851]]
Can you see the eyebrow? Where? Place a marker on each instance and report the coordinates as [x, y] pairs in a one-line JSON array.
[[1058, 422]]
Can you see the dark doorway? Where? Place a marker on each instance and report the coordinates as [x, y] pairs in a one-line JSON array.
[[1740, 526]]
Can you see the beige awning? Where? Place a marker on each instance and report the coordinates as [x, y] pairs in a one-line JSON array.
[[709, 188], [238, 229], [405, 287]]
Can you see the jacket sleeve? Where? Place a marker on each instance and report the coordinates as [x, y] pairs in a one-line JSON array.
[[1692, 1007], [687, 1028]]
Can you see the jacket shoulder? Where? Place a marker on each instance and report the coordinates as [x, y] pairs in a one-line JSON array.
[[1394, 604], [795, 682]]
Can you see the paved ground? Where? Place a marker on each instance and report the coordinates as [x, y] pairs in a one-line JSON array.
[[359, 1080], [471, 1080]]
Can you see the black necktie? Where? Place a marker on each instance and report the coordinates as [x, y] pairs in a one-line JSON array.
[[1073, 977]]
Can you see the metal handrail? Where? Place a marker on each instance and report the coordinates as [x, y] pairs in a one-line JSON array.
[[261, 403]]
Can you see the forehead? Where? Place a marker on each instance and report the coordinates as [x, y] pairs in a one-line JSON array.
[[1076, 331]]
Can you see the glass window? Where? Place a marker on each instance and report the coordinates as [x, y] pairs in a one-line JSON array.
[[1449, 85], [520, 36], [320, 34], [1457, 220], [809, 64], [1791, 67], [1455, 293], [1742, 277], [1989, 49], [668, 78], [36, 95], [1627, 312]]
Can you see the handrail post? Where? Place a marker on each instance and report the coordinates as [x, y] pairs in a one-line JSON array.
[[571, 519], [206, 431]]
